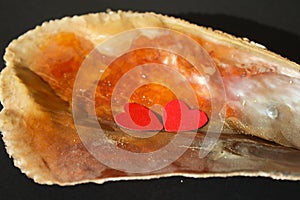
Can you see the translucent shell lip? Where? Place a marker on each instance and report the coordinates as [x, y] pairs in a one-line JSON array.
[[39, 132]]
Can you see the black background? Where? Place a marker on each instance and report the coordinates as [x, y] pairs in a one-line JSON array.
[[275, 24]]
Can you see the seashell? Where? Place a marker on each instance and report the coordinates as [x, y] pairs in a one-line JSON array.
[[260, 136]]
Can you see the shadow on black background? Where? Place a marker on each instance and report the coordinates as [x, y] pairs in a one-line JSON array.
[[282, 42], [15, 185]]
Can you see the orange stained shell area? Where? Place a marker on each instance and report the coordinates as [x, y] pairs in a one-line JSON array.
[[153, 93], [148, 99], [60, 57]]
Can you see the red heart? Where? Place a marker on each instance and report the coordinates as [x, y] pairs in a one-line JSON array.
[[138, 117], [177, 116]]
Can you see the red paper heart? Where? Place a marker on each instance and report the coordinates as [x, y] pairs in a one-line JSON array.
[[138, 117], [177, 116]]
